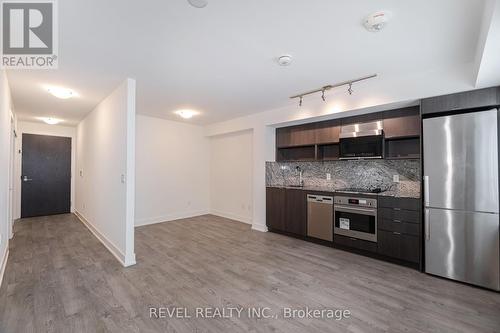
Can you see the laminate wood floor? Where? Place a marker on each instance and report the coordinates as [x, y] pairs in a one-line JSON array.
[[59, 278]]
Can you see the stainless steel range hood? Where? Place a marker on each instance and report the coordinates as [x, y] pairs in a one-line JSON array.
[[362, 141], [362, 129]]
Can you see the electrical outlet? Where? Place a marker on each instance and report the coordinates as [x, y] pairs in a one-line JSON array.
[[328, 176], [395, 178], [285, 167]]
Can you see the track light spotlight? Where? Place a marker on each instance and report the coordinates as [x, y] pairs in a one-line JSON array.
[[323, 95], [349, 90]]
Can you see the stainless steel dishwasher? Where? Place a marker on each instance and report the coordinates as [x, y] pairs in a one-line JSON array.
[[320, 217]]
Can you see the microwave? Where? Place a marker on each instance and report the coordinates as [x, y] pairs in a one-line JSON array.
[[362, 141]]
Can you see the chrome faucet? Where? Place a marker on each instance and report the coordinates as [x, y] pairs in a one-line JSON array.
[[301, 179]]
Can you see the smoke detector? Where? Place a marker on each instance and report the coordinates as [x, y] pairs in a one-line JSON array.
[[376, 21], [285, 60]]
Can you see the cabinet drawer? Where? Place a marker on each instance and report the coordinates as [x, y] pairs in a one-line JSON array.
[[399, 246], [388, 244], [355, 243], [401, 203], [397, 214], [398, 226], [410, 248]]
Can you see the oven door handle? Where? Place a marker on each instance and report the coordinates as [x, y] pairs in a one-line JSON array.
[[354, 210]]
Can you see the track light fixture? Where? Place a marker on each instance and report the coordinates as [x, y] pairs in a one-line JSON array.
[[331, 86]]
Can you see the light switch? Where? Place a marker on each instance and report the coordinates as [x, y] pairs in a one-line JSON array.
[[395, 178], [328, 176], [123, 179]]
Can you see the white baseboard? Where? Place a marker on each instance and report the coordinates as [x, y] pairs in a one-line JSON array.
[[4, 264], [168, 218], [259, 227], [124, 260], [231, 216]]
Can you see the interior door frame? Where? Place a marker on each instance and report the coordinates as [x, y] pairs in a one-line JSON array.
[[42, 129]]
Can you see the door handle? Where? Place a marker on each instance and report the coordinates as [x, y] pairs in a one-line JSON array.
[[26, 179], [426, 190], [427, 225]]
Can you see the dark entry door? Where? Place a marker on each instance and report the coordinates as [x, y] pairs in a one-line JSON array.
[[46, 175]]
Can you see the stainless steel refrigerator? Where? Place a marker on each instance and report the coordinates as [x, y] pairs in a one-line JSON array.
[[461, 197]]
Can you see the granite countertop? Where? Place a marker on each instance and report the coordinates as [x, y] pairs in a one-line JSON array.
[[400, 190]]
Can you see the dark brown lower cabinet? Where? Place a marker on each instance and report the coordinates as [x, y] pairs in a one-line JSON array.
[[296, 211], [399, 229], [286, 210], [398, 232], [275, 208], [399, 246]]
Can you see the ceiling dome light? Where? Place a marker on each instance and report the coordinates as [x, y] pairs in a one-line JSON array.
[[51, 121], [198, 3], [62, 93], [186, 114]]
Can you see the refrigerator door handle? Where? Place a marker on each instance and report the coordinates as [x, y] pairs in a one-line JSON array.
[[426, 191], [427, 225]]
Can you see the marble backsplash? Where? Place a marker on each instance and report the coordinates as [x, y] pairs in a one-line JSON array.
[[348, 174]]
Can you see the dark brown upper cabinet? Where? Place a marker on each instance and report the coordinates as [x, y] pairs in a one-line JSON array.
[[327, 132], [320, 141], [488, 97], [401, 127], [300, 135]]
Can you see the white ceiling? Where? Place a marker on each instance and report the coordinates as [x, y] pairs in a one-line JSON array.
[[221, 60]]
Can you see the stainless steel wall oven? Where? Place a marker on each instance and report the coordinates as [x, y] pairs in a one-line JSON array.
[[356, 217]]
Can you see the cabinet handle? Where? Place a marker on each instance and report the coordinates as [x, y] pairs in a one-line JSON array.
[[397, 208], [397, 221], [396, 233]]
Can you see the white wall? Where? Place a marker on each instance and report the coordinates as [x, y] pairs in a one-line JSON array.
[[105, 171], [172, 170], [5, 162], [231, 176], [42, 129]]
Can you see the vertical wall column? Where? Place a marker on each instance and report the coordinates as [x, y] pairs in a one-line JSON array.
[[105, 182], [263, 150]]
